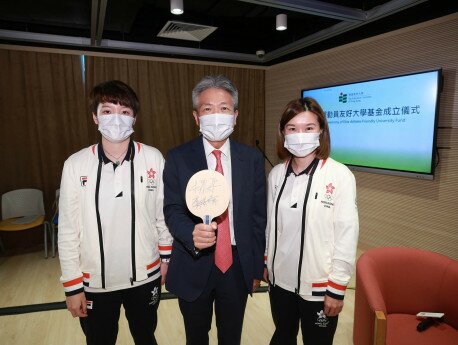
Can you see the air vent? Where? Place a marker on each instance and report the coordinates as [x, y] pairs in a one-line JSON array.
[[186, 31]]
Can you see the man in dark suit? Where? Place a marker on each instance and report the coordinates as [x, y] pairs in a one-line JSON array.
[[223, 262]]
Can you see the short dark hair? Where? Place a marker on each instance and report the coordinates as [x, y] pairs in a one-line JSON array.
[[116, 92], [217, 82], [298, 106]]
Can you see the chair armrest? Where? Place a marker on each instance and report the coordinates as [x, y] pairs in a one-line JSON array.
[[380, 328], [368, 280], [368, 299]]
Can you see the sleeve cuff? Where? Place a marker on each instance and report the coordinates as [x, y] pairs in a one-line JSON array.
[[74, 292], [164, 252], [74, 286], [336, 291]]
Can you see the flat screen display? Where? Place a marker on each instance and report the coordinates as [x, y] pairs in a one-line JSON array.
[[386, 125]]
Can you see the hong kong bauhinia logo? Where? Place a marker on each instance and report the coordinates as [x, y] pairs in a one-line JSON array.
[[151, 179], [329, 193], [330, 188], [154, 295], [322, 320], [151, 173]]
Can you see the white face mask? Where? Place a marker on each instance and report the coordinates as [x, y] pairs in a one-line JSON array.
[[115, 127], [302, 144], [216, 127]]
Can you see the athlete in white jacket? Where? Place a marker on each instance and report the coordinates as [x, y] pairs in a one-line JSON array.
[[112, 233], [312, 229]]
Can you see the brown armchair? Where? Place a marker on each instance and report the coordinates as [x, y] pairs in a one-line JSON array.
[[393, 284]]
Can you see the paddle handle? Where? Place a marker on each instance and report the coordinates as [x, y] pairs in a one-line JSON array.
[[207, 219]]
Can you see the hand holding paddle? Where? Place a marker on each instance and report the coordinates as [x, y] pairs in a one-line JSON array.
[[207, 196]]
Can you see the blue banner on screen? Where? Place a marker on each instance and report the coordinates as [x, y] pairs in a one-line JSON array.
[[386, 124]]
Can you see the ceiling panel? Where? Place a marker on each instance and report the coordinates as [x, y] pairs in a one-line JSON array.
[[243, 26]]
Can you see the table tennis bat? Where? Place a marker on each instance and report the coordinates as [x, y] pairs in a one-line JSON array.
[[207, 195]]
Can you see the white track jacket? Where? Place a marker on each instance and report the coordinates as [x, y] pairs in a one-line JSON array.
[[80, 234], [330, 234]]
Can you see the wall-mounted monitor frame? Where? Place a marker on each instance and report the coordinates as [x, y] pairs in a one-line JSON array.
[[386, 125]]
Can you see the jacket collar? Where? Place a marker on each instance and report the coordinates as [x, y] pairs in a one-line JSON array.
[[130, 154]]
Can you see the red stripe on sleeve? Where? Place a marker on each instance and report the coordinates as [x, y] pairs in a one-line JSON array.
[[337, 286], [73, 282], [165, 247], [319, 284]]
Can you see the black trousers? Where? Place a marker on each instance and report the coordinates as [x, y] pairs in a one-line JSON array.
[[141, 303], [288, 308], [229, 293]]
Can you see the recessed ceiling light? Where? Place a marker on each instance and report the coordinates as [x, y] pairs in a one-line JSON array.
[[176, 6], [281, 22]]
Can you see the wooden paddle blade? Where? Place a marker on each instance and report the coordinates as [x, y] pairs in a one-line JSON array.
[[207, 195]]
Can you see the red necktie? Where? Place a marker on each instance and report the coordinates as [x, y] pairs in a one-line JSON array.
[[223, 252]]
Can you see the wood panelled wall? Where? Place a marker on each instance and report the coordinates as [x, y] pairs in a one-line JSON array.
[[45, 115], [393, 210]]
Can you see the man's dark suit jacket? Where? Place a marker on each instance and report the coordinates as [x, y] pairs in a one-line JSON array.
[[188, 271]]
